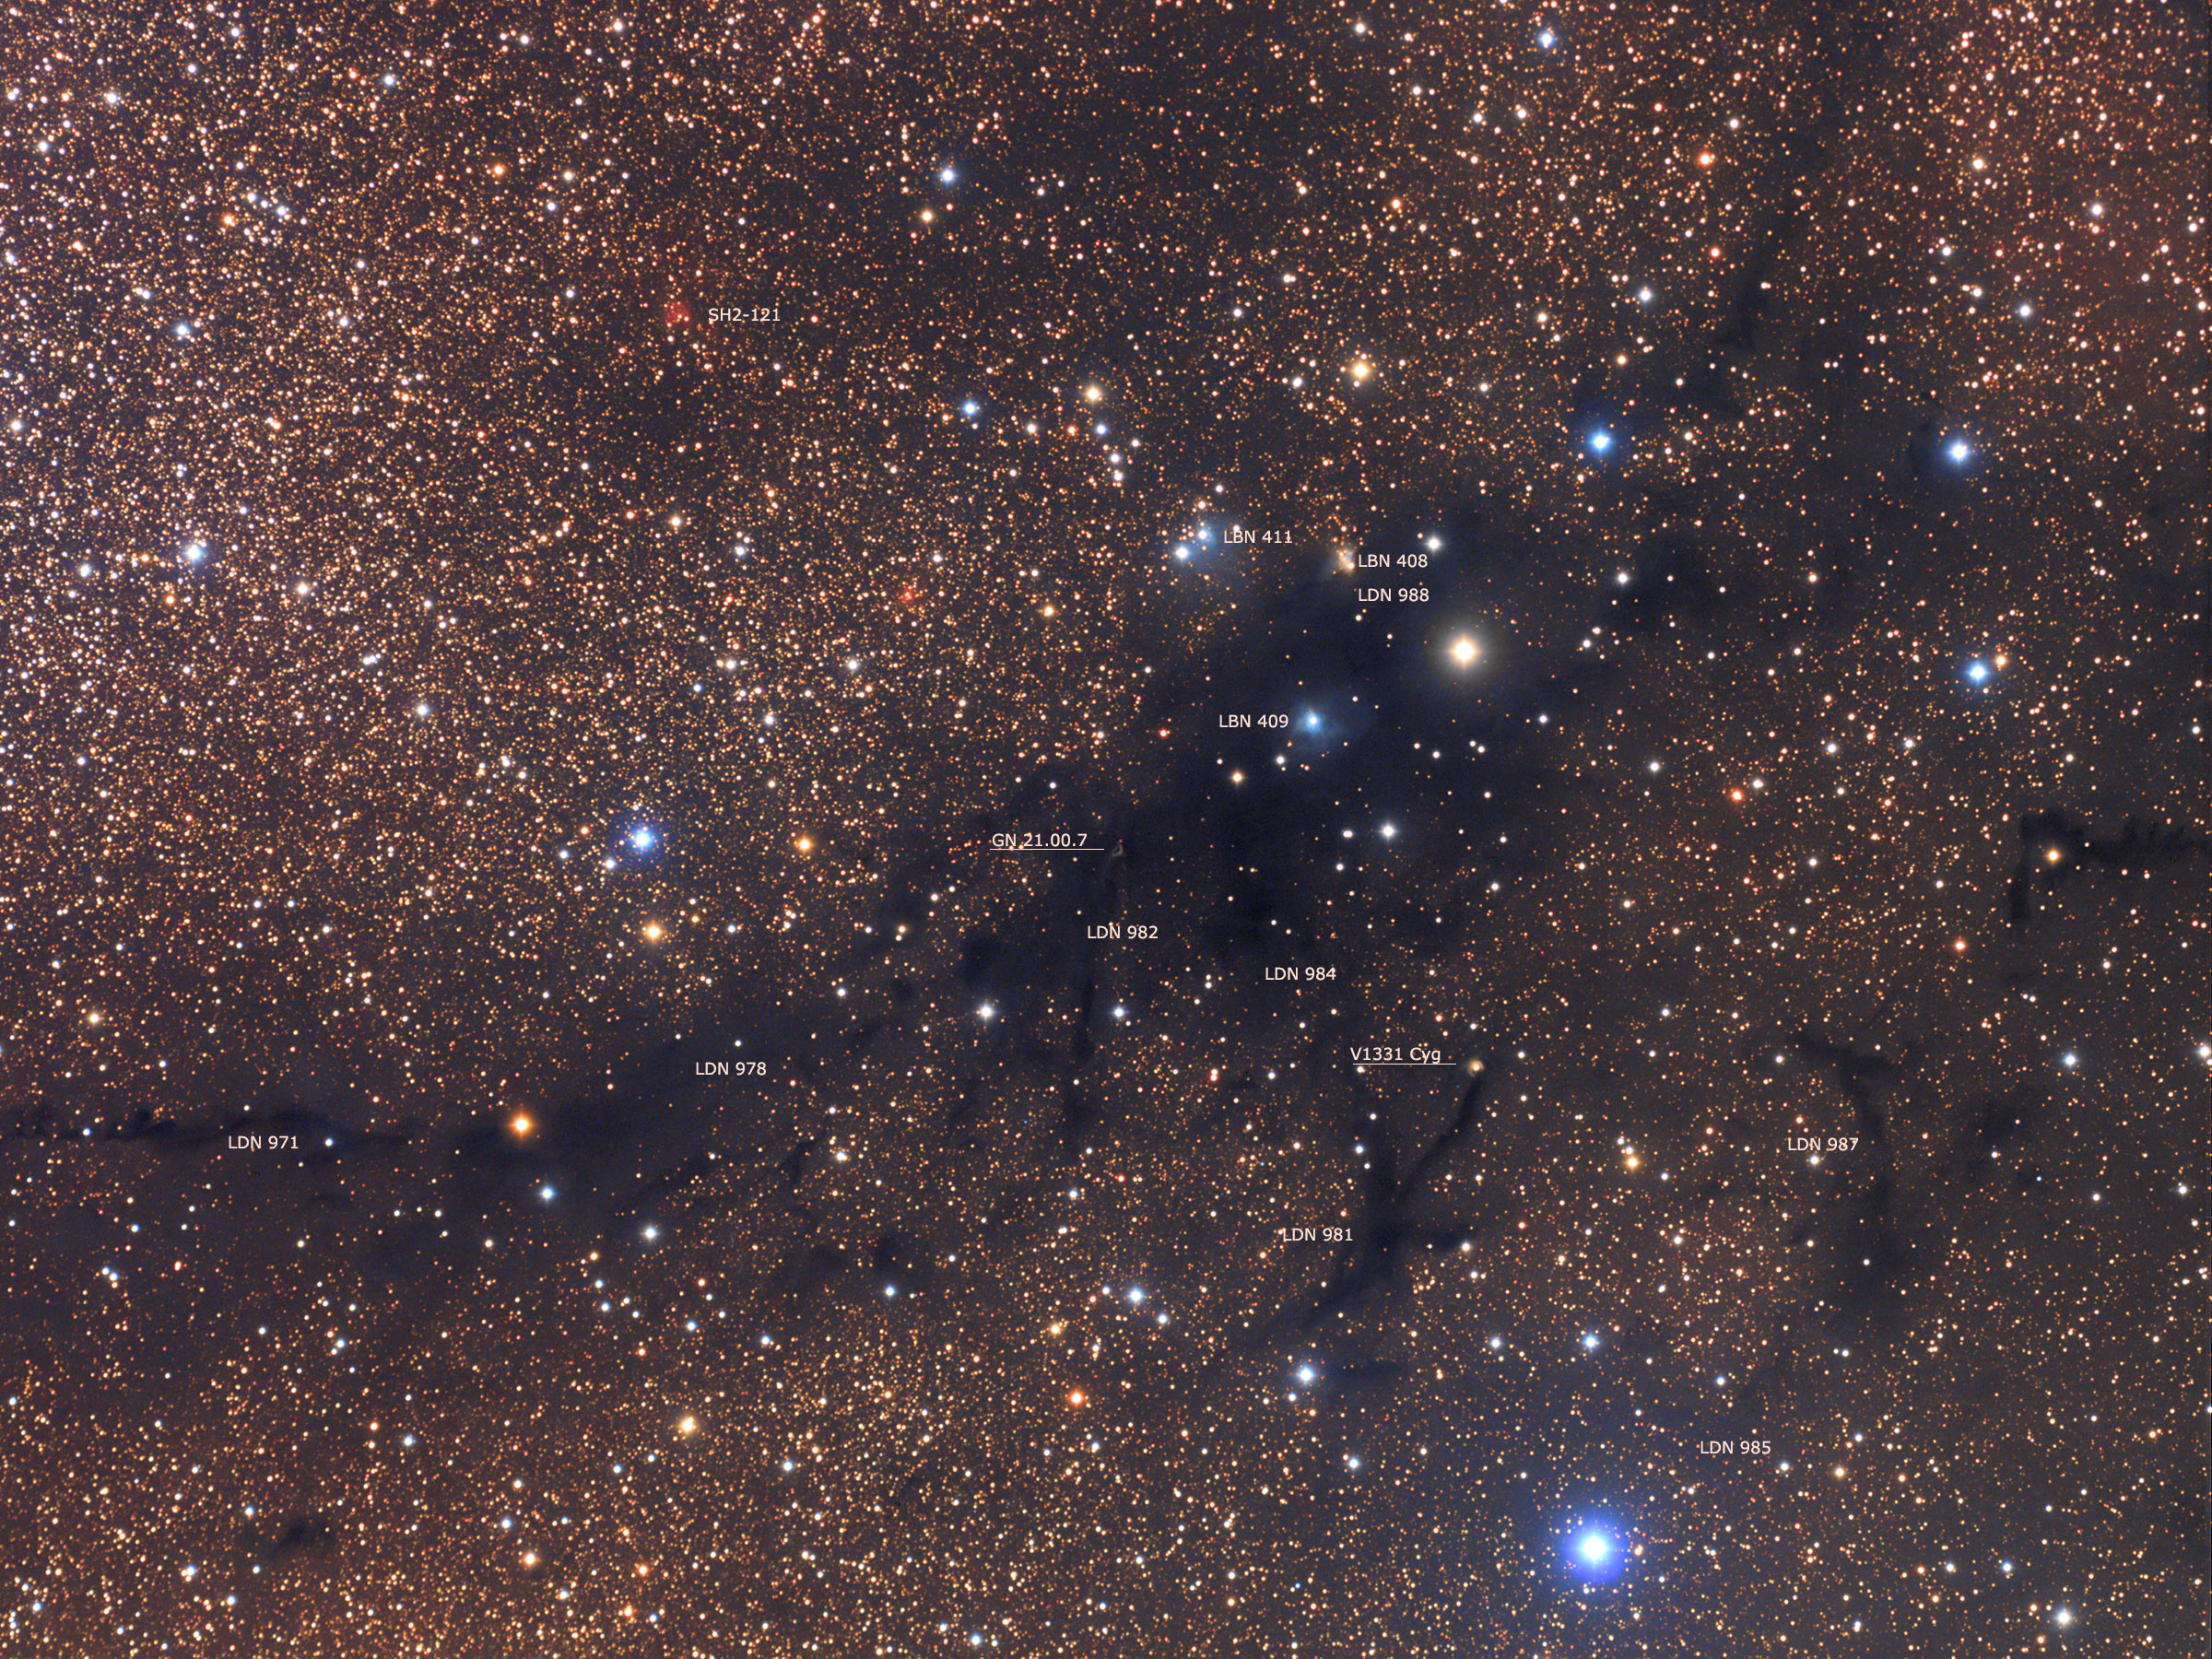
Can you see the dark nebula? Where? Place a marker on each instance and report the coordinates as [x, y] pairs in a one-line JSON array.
[[1187, 828]]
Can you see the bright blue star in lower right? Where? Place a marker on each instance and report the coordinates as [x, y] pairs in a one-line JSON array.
[[1595, 1553]]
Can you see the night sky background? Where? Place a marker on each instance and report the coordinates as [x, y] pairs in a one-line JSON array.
[[552, 551]]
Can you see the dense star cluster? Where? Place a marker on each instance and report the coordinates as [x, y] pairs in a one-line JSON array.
[[1195, 827]]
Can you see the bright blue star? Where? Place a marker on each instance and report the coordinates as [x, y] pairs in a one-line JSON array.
[[971, 409], [1601, 441], [1595, 1553], [1978, 672], [1960, 452], [642, 838], [195, 552]]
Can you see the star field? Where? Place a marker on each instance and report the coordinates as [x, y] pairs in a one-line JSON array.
[[1194, 828]]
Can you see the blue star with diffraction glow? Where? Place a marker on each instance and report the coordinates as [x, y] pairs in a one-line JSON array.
[[1595, 1553]]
